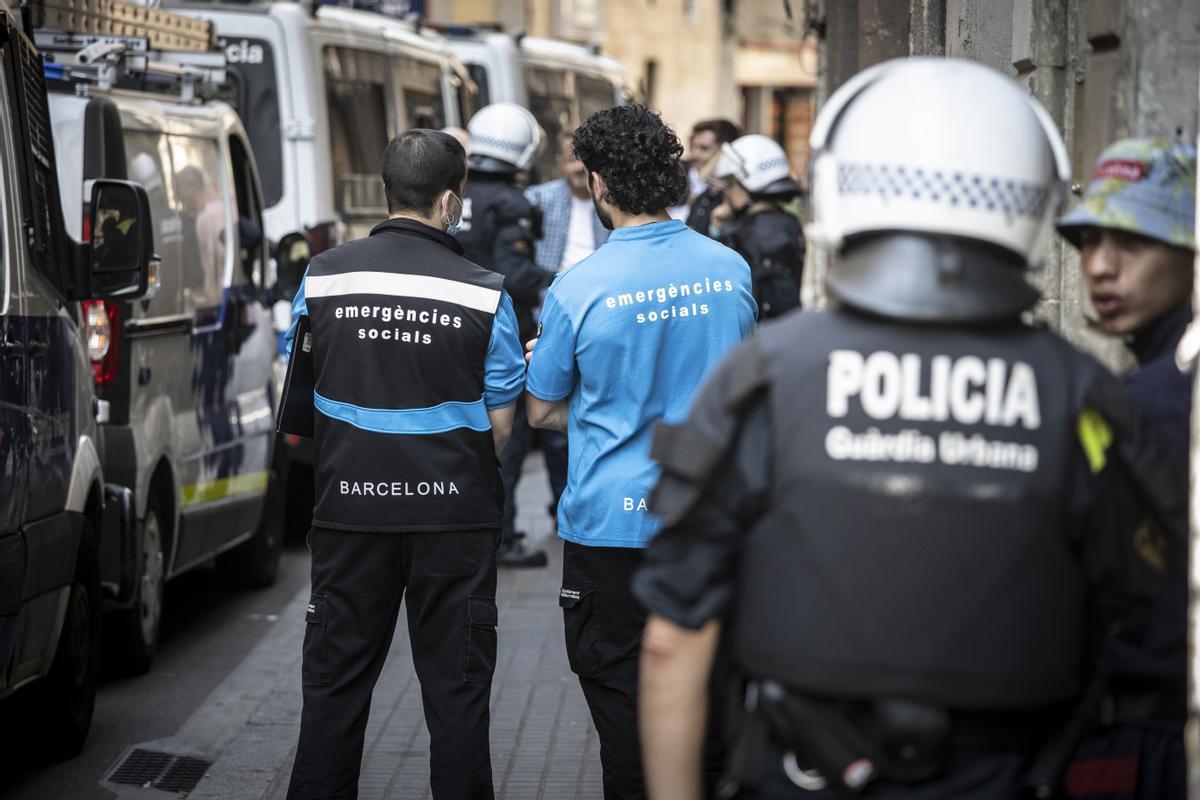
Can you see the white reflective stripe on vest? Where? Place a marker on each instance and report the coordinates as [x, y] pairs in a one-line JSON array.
[[467, 295]]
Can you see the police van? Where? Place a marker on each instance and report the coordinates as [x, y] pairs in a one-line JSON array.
[[187, 373], [561, 83], [58, 518], [321, 96]]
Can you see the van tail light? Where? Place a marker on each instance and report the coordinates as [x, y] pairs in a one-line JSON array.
[[101, 327], [320, 238]]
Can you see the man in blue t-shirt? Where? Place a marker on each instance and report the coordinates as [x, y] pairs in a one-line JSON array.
[[627, 336]]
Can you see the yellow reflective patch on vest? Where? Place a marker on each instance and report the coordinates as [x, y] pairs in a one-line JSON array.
[[1095, 435]]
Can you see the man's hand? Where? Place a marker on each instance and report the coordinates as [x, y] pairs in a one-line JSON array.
[[529, 346], [673, 706]]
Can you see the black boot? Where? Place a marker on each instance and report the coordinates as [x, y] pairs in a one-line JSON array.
[[514, 553]]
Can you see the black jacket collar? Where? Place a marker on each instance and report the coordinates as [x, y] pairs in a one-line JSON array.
[[1162, 335], [410, 227]]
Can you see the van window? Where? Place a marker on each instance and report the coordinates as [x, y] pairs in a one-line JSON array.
[[478, 73], [465, 99], [149, 163], [250, 89], [550, 102], [248, 267], [356, 84], [595, 94], [201, 202], [421, 85]]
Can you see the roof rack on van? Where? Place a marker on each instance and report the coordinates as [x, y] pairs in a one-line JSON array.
[[98, 41]]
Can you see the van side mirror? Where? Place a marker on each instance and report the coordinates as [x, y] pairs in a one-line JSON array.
[[292, 255], [121, 260]]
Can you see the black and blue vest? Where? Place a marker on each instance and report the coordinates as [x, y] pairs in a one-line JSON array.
[[401, 324]]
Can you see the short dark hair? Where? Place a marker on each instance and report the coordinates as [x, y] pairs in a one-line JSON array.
[[637, 155], [420, 164], [725, 130]]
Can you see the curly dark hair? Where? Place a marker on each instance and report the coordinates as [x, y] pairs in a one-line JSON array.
[[638, 156]]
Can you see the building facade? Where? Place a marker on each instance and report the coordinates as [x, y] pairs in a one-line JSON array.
[[746, 60]]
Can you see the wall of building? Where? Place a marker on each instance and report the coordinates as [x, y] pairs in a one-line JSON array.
[[697, 59]]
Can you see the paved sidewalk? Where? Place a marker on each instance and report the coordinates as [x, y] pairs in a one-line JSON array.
[[543, 742]]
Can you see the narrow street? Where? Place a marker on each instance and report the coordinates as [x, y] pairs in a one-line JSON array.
[[225, 688]]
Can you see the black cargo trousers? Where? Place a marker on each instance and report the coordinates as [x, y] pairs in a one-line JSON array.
[[602, 625], [448, 583]]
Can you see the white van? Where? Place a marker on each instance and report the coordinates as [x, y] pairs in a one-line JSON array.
[[321, 96], [186, 373], [561, 83]]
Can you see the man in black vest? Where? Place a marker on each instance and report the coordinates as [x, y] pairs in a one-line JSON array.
[[417, 367], [498, 231], [900, 514]]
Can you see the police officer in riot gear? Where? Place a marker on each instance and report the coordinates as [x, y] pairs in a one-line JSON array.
[[498, 230], [754, 175], [899, 513]]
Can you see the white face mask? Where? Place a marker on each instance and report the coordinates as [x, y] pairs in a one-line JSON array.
[[453, 223]]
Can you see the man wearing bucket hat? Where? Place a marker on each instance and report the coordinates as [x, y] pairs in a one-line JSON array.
[[895, 517], [754, 175], [1135, 230]]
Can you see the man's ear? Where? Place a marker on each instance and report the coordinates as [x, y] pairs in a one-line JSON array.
[[594, 180]]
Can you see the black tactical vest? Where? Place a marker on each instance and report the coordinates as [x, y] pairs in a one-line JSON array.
[[916, 544], [401, 324]]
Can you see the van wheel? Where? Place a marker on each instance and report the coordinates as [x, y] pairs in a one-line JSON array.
[[254, 564], [136, 630], [68, 693]]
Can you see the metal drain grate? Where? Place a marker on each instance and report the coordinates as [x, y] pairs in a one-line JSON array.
[[165, 771]]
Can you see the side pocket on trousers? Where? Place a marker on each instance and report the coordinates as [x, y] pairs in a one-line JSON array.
[[314, 670], [482, 617], [580, 630]]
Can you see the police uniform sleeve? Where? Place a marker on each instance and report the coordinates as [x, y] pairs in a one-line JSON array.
[[504, 367], [1129, 504], [299, 309], [713, 485], [513, 254], [551, 373]]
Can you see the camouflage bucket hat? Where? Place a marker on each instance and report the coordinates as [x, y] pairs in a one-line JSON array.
[[1144, 186]]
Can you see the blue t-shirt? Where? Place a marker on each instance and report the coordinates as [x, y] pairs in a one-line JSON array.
[[629, 334]]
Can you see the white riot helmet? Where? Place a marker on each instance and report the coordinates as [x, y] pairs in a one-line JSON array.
[[759, 164], [505, 137], [926, 159]]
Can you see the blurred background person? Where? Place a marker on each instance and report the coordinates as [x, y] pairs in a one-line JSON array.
[[704, 150], [498, 230], [754, 176], [571, 231], [1135, 231]]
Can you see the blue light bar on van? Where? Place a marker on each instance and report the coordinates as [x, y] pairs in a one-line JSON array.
[[54, 72]]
